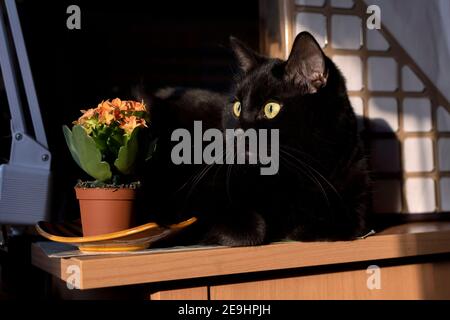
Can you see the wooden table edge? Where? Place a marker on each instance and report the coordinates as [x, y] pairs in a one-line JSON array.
[[107, 271]]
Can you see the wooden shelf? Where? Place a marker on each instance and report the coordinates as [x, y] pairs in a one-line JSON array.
[[414, 239]]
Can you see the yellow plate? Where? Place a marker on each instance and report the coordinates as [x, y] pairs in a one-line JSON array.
[[137, 238]]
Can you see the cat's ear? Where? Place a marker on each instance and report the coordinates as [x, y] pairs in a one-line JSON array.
[[247, 58], [306, 65]]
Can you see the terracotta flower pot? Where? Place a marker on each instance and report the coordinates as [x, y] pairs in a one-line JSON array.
[[106, 210]]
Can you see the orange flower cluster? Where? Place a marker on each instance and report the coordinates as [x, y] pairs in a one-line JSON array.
[[125, 114]]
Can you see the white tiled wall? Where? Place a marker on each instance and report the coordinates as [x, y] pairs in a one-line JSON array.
[[314, 3], [314, 23], [444, 154], [342, 3], [410, 81], [352, 68], [420, 195], [346, 32], [418, 155], [383, 113], [382, 74], [443, 120], [375, 40], [358, 107], [445, 194], [417, 115], [409, 116]]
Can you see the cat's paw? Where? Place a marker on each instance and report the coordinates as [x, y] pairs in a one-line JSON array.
[[250, 231]]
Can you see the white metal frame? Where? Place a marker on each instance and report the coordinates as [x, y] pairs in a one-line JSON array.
[[25, 180]]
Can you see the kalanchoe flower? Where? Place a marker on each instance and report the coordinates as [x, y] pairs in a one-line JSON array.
[[130, 123], [119, 103], [124, 114], [105, 141]]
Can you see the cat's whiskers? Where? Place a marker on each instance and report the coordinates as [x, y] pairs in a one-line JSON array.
[[202, 173], [228, 174], [301, 153], [311, 168], [310, 176], [195, 179], [316, 172], [190, 179]]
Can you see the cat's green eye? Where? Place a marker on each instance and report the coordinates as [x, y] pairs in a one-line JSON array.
[[237, 109], [271, 110]]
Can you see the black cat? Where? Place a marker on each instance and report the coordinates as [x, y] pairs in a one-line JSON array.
[[320, 191]]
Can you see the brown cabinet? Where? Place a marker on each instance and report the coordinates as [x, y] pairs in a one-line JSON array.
[[411, 261]]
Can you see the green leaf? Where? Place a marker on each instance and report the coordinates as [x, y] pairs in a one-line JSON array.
[[139, 114], [115, 141], [90, 157], [127, 154], [100, 136], [69, 140]]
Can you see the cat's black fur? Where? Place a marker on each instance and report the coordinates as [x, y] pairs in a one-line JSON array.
[[321, 189]]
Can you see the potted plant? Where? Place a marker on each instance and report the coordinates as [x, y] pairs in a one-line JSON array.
[[105, 143]]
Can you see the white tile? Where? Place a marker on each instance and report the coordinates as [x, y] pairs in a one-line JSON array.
[[444, 154], [358, 107], [313, 3], [418, 155], [410, 81], [346, 4], [314, 23], [420, 195], [385, 155], [382, 74], [445, 194], [387, 196], [346, 32], [443, 119], [383, 114], [417, 115], [376, 41], [351, 67]]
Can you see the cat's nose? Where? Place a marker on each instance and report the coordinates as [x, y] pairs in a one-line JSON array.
[[247, 121]]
